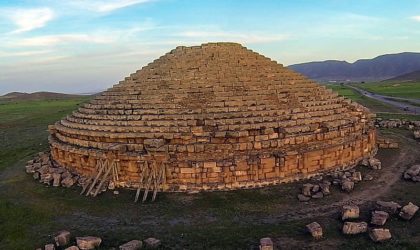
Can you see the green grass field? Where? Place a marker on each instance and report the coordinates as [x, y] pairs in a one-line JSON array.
[[396, 89], [31, 212], [373, 105]]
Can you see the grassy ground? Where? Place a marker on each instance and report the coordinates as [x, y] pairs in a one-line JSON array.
[[30, 212], [373, 105], [396, 89]]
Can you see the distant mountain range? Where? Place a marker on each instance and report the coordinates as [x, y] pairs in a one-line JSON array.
[[376, 69]]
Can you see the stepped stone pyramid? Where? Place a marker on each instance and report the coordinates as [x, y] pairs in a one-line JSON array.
[[214, 117]]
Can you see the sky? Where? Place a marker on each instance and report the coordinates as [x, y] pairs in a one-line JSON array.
[[84, 46]]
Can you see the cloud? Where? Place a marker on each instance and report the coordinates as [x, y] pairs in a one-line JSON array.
[[232, 36], [30, 19], [24, 53], [106, 5], [415, 18], [52, 40]]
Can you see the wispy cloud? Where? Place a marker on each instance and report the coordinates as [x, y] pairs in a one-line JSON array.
[[233, 36], [30, 19], [24, 53], [415, 18], [52, 40], [106, 5]]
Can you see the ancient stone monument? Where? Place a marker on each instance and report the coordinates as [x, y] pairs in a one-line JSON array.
[[212, 117]]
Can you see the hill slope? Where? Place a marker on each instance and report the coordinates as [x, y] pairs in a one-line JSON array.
[[379, 68], [14, 96], [409, 77]]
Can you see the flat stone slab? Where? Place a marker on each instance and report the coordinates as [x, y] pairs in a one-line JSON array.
[[380, 234]]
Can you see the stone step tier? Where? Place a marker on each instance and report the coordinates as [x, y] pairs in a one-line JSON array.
[[217, 116]]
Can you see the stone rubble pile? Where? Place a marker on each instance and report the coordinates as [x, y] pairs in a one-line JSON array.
[[345, 180], [413, 173], [397, 123], [380, 215], [387, 143], [64, 241], [48, 172]]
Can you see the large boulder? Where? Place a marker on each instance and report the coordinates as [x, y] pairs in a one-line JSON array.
[[355, 227], [408, 211], [131, 245], [266, 244], [379, 218], [62, 238], [388, 206], [380, 234], [315, 230], [350, 212], [88, 242]]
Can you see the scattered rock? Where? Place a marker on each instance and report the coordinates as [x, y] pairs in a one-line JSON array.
[[368, 177], [315, 229], [380, 234], [266, 244], [306, 189], [72, 248], [56, 179], [408, 211], [356, 176], [49, 247], [152, 242], [303, 198], [388, 206], [416, 134], [88, 242], [350, 212], [325, 188], [379, 218], [413, 173], [62, 238], [318, 195], [355, 227], [375, 163], [315, 189], [364, 162], [347, 185], [132, 245], [67, 182]]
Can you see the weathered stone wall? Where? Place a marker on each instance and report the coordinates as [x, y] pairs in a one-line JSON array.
[[218, 116]]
